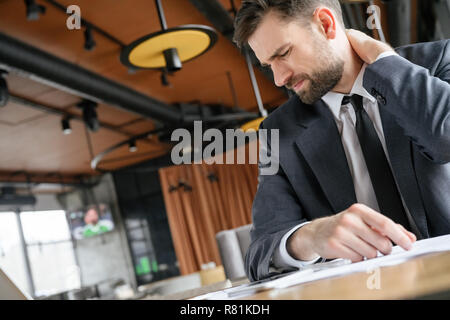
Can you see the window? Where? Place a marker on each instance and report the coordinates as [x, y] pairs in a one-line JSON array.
[[12, 259], [50, 251], [45, 226]]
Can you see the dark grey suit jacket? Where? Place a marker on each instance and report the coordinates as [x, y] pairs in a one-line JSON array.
[[314, 180]]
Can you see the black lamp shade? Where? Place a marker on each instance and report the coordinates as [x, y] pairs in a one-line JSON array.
[[66, 126], [173, 62], [34, 10], [4, 94]]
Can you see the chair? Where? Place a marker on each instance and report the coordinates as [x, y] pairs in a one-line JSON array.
[[233, 245]]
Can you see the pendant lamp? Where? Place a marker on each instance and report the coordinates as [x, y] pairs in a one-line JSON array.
[[168, 48]]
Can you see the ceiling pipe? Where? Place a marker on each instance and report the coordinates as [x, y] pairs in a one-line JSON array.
[[58, 73]]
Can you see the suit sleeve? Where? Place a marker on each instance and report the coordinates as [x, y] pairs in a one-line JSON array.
[[275, 211], [419, 100]]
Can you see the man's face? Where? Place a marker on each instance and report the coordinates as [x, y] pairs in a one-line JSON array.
[[300, 57], [91, 217]]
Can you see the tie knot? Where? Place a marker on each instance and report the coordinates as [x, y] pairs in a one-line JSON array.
[[355, 100], [346, 100]]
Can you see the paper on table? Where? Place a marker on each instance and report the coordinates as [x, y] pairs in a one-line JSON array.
[[398, 255], [250, 288], [336, 268]]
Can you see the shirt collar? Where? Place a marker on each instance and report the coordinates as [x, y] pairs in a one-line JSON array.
[[334, 99]]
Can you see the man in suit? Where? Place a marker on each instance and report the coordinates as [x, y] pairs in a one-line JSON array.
[[364, 145]]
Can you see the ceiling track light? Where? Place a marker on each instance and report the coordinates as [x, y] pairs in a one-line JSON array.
[[89, 42], [132, 146], [65, 124], [89, 114], [4, 93], [34, 10]]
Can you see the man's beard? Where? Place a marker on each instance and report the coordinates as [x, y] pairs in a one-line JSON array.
[[321, 81]]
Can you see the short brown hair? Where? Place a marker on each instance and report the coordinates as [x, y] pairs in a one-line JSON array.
[[253, 11]]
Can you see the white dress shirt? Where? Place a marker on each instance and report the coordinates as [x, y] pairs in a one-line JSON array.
[[345, 119]]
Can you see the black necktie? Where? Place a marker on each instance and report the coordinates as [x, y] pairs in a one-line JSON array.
[[380, 172]]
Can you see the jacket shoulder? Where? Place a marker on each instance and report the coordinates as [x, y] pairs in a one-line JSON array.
[[426, 54]]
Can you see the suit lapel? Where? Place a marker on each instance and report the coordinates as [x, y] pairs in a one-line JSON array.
[[400, 156], [319, 142]]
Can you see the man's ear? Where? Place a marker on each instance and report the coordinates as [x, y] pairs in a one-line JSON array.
[[324, 17]]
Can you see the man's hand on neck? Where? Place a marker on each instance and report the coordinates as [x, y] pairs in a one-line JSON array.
[[360, 49], [367, 48]]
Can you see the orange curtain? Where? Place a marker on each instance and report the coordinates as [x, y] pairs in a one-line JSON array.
[[210, 198]]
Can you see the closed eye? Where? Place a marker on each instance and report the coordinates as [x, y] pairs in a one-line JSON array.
[[285, 53], [282, 55]]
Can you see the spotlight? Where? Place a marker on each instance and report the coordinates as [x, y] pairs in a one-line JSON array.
[[89, 114], [89, 42], [132, 146], [34, 10], [164, 79], [66, 126], [4, 94]]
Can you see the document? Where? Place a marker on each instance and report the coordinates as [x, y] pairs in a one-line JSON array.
[[335, 268]]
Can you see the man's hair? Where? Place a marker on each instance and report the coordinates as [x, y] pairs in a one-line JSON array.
[[253, 11]]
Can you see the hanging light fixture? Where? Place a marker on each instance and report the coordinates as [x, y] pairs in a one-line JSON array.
[[89, 114], [89, 42], [168, 49], [34, 10], [165, 79], [132, 146], [65, 124], [254, 124], [4, 93]]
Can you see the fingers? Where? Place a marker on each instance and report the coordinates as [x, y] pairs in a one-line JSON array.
[[360, 246], [352, 31], [355, 35], [374, 238], [343, 251], [360, 232], [351, 35], [384, 225], [411, 235]]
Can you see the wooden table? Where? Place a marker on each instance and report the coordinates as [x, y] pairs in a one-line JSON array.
[[420, 277]]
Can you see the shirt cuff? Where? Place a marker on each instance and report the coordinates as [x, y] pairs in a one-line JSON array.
[[385, 54], [281, 257]]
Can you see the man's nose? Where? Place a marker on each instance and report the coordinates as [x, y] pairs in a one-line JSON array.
[[281, 75]]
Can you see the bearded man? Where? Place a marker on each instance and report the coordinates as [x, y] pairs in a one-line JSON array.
[[364, 145]]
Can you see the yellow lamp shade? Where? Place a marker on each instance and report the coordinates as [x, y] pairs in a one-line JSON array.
[[254, 124], [190, 41]]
